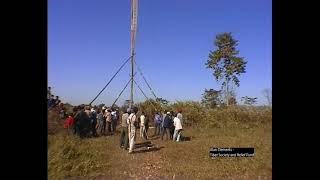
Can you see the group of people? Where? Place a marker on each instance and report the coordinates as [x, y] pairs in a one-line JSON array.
[[86, 121], [55, 103], [168, 123], [52, 101]]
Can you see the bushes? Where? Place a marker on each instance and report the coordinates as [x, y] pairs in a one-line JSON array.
[[237, 116], [149, 107], [195, 114]]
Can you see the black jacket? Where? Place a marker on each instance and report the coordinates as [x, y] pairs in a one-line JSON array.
[[167, 122]]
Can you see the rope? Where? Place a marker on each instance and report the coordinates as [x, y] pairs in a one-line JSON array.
[[144, 94], [122, 91], [145, 79], [140, 90], [111, 79]]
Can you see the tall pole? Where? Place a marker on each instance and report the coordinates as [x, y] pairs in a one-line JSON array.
[[131, 91], [132, 43]]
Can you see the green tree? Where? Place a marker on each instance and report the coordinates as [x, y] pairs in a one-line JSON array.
[[210, 98], [225, 63]]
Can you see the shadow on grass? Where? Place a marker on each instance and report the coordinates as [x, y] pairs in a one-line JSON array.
[[154, 137], [143, 144], [147, 149], [185, 138]]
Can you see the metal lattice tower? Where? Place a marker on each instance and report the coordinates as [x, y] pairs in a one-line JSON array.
[[134, 7]]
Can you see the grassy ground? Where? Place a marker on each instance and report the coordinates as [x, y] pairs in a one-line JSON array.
[[101, 158]]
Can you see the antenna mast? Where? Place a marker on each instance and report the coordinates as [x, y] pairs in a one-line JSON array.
[[134, 6]]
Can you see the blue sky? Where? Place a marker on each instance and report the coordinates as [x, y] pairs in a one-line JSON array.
[[88, 40]]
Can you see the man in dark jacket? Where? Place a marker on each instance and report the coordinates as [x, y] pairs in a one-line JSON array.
[[76, 121], [166, 126], [172, 126], [84, 123], [93, 118]]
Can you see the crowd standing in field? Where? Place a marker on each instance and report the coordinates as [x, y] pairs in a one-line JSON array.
[[54, 103], [86, 121]]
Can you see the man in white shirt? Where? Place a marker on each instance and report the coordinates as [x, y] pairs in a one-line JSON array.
[[179, 115], [131, 128], [142, 126], [178, 128]]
